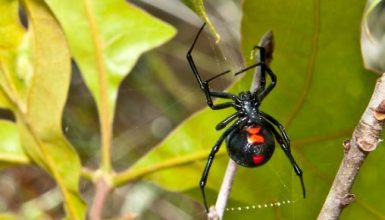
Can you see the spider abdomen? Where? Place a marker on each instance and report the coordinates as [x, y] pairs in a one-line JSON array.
[[251, 145]]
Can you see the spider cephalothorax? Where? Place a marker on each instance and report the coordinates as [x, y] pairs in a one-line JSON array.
[[250, 139]]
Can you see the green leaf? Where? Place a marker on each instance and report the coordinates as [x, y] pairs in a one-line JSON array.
[[12, 36], [322, 90], [4, 102], [34, 77], [199, 8], [11, 151], [106, 38], [11, 32], [47, 94], [8, 216]]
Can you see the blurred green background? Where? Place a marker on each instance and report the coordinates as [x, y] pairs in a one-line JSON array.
[[323, 88]]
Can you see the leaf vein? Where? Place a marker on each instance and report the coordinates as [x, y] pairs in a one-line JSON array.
[[310, 67]]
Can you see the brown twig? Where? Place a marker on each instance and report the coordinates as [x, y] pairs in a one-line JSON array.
[[365, 139], [102, 190], [216, 213]]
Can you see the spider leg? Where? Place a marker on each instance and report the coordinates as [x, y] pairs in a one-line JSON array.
[[262, 63], [190, 59], [285, 145], [266, 91], [217, 94], [215, 149], [210, 93], [262, 92], [280, 127], [223, 95], [225, 122], [204, 85], [247, 68], [264, 67]]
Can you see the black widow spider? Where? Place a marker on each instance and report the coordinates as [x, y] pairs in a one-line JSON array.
[[250, 139]]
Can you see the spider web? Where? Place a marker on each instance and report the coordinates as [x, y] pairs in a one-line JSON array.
[[281, 192], [147, 110]]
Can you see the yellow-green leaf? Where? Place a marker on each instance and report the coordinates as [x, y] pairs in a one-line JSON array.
[[4, 102], [40, 125], [321, 92], [11, 32], [34, 79], [12, 36], [8, 216], [11, 151], [199, 8], [106, 38]]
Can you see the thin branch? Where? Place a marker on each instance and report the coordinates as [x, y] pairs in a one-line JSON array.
[[102, 189], [216, 213], [224, 193], [365, 139]]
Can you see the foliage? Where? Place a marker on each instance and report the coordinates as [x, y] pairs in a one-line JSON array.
[[322, 90], [35, 75]]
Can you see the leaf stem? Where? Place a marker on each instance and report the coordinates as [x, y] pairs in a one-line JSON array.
[[130, 175], [365, 139], [105, 115], [88, 174]]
